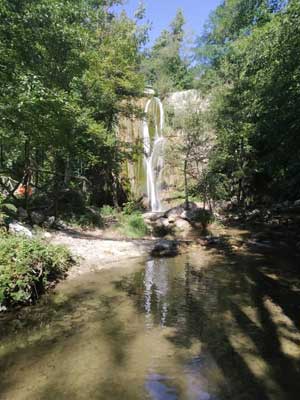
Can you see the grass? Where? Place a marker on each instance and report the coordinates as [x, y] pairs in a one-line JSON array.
[[132, 225], [28, 267]]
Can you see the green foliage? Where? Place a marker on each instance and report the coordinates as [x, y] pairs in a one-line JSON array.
[[6, 210], [27, 267], [107, 211], [190, 148], [131, 207], [89, 218], [133, 225], [166, 68], [67, 71], [202, 216], [255, 100]]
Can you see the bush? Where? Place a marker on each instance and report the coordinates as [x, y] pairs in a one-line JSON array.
[[132, 207], [133, 225], [89, 218], [107, 211], [6, 210], [27, 267], [200, 215]]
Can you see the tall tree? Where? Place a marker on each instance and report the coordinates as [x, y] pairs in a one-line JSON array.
[[166, 66], [255, 99], [67, 68]]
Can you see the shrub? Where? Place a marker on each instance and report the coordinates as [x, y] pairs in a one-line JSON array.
[[133, 225], [132, 207], [200, 215], [6, 210], [107, 211], [27, 267], [90, 217]]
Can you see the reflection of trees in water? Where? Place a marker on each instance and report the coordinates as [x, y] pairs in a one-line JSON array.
[[239, 313]]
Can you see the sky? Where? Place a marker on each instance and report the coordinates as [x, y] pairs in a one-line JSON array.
[[161, 13]]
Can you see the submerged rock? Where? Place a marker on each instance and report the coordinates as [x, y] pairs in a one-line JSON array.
[[165, 248]]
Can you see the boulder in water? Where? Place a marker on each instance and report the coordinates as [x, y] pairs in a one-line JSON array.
[[165, 248]]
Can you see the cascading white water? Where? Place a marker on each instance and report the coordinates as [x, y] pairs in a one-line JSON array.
[[153, 152]]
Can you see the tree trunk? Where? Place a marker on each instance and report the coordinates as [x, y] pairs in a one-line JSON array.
[[186, 195]]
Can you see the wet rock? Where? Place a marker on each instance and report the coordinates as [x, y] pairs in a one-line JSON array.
[[165, 248], [16, 228]]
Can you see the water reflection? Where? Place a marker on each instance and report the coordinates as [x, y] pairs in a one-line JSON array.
[[156, 289], [160, 387], [205, 327]]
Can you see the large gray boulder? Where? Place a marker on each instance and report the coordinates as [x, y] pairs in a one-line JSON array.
[[16, 228], [180, 210], [183, 229]]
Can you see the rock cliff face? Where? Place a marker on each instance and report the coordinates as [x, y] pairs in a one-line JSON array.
[[183, 100], [131, 134]]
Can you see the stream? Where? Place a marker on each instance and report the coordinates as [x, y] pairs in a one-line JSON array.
[[202, 326]]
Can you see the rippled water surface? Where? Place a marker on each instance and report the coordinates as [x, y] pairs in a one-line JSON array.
[[202, 326]]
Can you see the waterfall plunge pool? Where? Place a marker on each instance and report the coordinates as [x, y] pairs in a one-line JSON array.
[[202, 326]]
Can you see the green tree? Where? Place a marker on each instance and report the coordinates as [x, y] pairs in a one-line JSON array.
[[67, 70], [255, 99], [166, 67]]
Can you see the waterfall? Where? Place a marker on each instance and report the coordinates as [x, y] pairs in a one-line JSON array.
[[153, 151]]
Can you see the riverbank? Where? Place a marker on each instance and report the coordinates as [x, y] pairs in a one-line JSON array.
[[94, 252]]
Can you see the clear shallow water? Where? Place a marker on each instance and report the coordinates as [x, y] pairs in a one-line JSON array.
[[198, 327]]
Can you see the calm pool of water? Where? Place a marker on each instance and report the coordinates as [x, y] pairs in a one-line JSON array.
[[203, 326]]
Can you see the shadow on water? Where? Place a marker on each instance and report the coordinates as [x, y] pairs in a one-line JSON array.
[[54, 327], [212, 325], [243, 309]]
